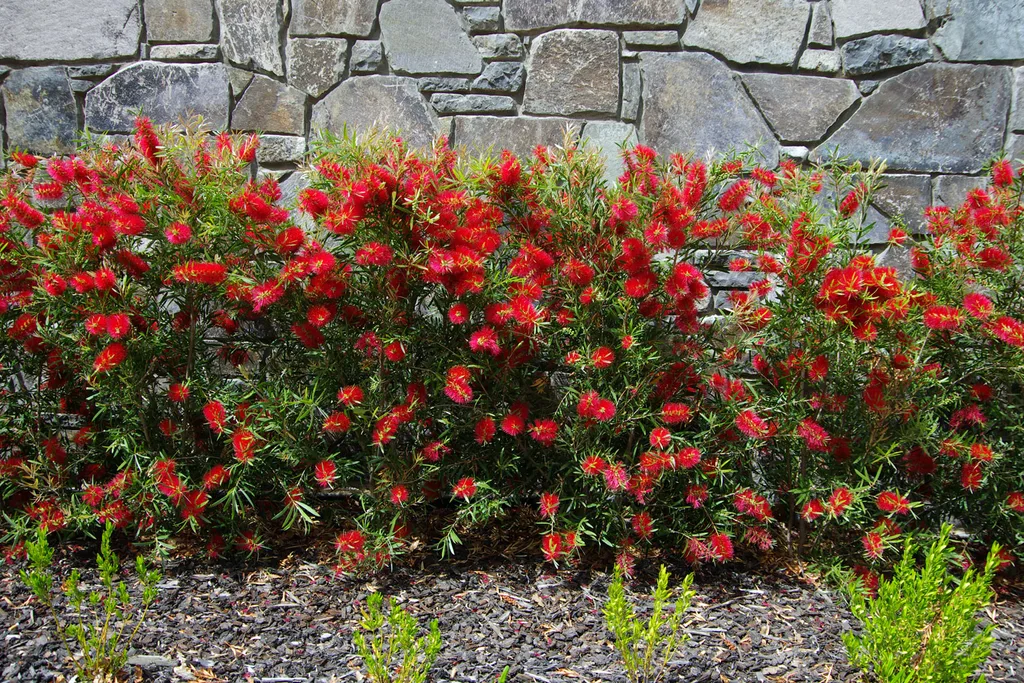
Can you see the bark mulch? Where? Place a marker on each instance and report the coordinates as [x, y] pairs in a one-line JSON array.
[[290, 621]]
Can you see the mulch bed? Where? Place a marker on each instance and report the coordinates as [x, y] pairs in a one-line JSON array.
[[288, 620]]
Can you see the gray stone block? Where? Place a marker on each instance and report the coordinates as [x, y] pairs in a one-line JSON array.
[[801, 108], [315, 65], [979, 30], [573, 71], [449, 103], [367, 56], [38, 30], [750, 31], [333, 17], [425, 37], [1017, 117], [853, 18], [608, 138], [499, 46], [501, 77], [444, 84], [650, 39], [280, 149], [195, 52], [820, 34], [527, 15], [179, 21], [951, 190], [271, 107], [482, 19], [378, 101], [42, 115], [519, 134], [905, 196], [822, 61], [630, 91], [879, 53], [249, 33]]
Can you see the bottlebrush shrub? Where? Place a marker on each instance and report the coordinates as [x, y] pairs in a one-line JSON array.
[[428, 329]]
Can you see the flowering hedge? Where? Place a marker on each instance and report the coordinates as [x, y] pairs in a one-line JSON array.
[[185, 351]]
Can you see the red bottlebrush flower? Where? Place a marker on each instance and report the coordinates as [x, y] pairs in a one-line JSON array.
[[200, 273], [485, 430], [578, 273], [308, 335], [643, 525], [485, 339], [1002, 173], [337, 423], [687, 458], [318, 316], [873, 544], [544, 431], [178, 393], [720, 547], [851, 202], [351, 395], [25, 159], [981, 452], [812, 510], [313, 201], [604, 410], [893, 502], [325, 473], [105, 279], [399, 495], [548, 505], [1008, 330], [265, 294], [839, 501], [943, 318], [54, 284], [627, 342], [395, 351], [510, 171], [696, 495], [350, 542], [458, 314], [817, 369], [373, 254], [675, 413], [753, 426], [434, 451], [513, 424], [457, 385], [178, 233], [551, 546], [243, 442], [464, 488], [289, 240], [109, 358], [1015, 501], [733, 197], [95, 324], [814, 435], [593, 465], [215, 416], [615, 476], [764, 176], [118, 325], [978, 305], [602, 357], [623, 211], [216, 477], [660, 438], [897, 236]]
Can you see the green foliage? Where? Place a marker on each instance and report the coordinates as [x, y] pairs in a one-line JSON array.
[[923, 625], [647, 648], [389, 646], [106, 621]]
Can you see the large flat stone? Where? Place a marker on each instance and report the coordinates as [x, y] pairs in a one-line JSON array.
[[608, 138], [250, 33], [367, 56], [518, 134], [164, 92], [853, 18], [426, 37], [906, 197], [979, 30], [270, 107], [1017, 117], [694, 103], [573, 71], [316, 64], [499, 46], [42, 116], [501, 77], [822, 61], [451, 103], [179, 21], [333, 17], [750, 31], [935, 118], [527, 15], [820, 34], [801, 108], [879, 53], [37, 30], [378, 101], [280, 149], [951, 190]]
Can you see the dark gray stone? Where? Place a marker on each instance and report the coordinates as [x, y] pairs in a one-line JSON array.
[[501, 77], [271, 107], [951, 190], [425, 37], [91, 70], [165, 92], [367, 56], [179, 21], [820, 34], [822, 61], [630, 91], [239, 80], [315, 65], [280, 149], [608, 138], [499, 46], [868, 86], [979, 30], [694, 103], [482, 19], [42, 116], [249, 33], [37, 30], [333, 17], [854, 18], [750, 31], [518, 134], [448, 103], [378, 101], [1015, 147], [650, 39], [444, 84], [527, 15], [801, 108], [906, 197], [81, 86], [938, 117], [1017, 117], [878, 53], [573, 71], [195, 52]]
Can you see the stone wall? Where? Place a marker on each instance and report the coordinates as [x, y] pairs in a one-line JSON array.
[[934, 86]]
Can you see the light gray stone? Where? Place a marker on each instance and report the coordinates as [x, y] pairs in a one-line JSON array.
[[1015, 147], [750, 31], [449, 103], [936, 118], [444, 84], [194, 52], [249, 33], [446, 126], [573, 71], [879, 53], [378, 101], [501, 77], [164, 92], [42, 116], [367, 56], [868, 86], [630, 91], [90, 70], [527, 15], [38, 30], [499, 46], [1017, 117], [979, 30], [801, 108], [179, 21], [822, 61], [315, 65], [280, 149], [271, 107], [518, 134], [333, 17], [854, 18], [727, 279], [608, 137], [951, 190], [694, 103], [425, 37], [482, 19], [820, 33], [798, 152], [898, 257], [649, 39], [239, 80], [906, 197], [81, 86]]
